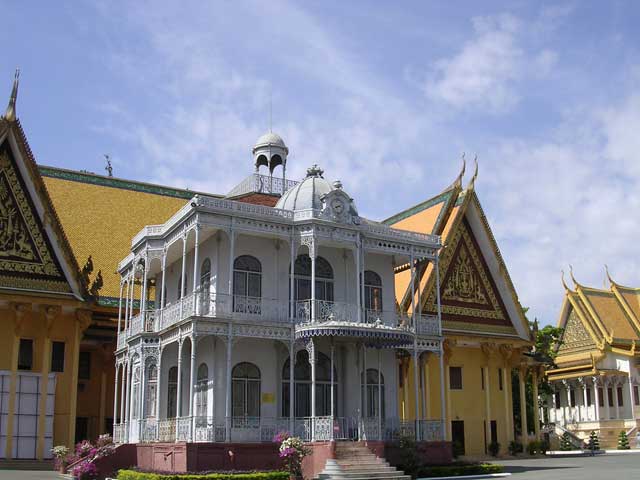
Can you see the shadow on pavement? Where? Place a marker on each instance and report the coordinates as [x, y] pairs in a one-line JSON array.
[[522, 469]]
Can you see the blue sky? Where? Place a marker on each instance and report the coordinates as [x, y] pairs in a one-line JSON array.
[[383, 95]]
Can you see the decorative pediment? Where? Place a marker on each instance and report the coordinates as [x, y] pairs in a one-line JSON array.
[[337, 206], [27, 259], [468, 293], [575, 337]]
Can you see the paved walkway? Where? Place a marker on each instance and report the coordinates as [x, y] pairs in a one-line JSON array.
[[610, 466], [28, 475]]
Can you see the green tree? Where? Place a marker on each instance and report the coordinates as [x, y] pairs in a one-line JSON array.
[[594, 441], [623, 441], [565, 442], [547, 341]]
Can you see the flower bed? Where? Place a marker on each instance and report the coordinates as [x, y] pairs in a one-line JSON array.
[[457, 470], [136, 475]]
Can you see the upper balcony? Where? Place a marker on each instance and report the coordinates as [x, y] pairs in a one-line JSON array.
[[306, 316]]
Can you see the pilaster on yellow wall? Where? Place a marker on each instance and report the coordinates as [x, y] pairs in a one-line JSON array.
[[536, 410], [83, 319], [522, 372], [20, 310], [50, 315]]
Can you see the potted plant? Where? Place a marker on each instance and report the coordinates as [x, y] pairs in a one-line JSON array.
[[60, 453], [292, 451]]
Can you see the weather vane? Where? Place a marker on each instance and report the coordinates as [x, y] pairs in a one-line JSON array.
[[108, 168]]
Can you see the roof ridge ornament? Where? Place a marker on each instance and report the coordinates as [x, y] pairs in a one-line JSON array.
[[314, 171], [472, 182], [606, 269], [573, 279], [564, 284], [10, 113], [457, 183]]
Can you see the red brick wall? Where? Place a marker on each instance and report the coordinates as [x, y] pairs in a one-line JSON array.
[[431, 453], [259, 199], [314, 463]]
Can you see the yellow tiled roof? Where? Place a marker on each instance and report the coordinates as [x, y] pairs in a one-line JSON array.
[[100, 216], [612, 315]]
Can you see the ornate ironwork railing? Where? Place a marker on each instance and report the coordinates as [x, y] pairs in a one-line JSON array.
[[257, 183], [264, 429], [428, 325], [341, 312]]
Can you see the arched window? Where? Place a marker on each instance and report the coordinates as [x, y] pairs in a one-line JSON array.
[[302, 392], [205, 286], [324, 278], [202, 390], [135, 392], [245, 394], [247, 285], [172, 392], [372, 291], [152, 391], [370, 397]]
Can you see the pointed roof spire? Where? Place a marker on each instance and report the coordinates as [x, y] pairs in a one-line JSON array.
[[475, 175], [573, 279], [564, 284], [458, 181], [10, 113], [606, 269]]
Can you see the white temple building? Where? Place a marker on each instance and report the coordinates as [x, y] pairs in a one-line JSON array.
[[216, 301]]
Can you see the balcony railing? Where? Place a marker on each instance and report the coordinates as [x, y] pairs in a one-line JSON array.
[[428, 325], [264, 429], [342, 312], [266, 310], [262, 184]]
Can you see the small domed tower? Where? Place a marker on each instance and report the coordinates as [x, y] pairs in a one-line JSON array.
[[270, 151]]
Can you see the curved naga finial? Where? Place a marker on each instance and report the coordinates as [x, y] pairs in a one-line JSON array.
[[10, 113], [564, 284], [573, 279], [458, 181], [472, 182], [606, 269]]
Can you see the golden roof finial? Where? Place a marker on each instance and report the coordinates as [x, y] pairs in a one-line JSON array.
[[606, 269], [457, 183], [10, 113], [564, 284], [475, 175], [573, 279]]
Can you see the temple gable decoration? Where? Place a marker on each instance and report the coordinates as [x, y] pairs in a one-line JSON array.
[[469, 296], [27, 259], [575, 336]]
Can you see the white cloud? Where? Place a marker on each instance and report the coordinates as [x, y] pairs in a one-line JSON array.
[[486, 72], [562, 201]]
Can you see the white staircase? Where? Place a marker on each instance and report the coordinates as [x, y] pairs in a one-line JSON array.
[[356, 462]]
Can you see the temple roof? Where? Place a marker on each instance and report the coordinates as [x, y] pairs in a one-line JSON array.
[[606, 318], [492, 306], [100, 215]]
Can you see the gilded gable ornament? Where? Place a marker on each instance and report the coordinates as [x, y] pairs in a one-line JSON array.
[[575, 335], [464, 284], [27, 259], [15, 242], [469, 297]]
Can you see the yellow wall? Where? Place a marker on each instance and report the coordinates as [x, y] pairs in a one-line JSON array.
[[55, 320], [93, 403], [468, 404]]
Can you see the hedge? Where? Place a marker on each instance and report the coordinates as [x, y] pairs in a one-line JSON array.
[[135, 475], [457, 470]]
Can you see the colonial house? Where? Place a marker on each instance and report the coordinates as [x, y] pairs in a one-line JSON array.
[[240, 290], [181, 326], [596, 378]]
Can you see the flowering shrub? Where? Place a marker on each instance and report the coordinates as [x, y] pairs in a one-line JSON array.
[[60, 451], [292, 451], [86, 454]]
